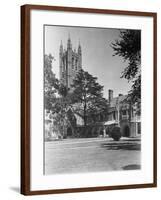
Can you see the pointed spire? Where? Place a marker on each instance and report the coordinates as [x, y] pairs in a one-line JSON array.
[[61, 47], [69, 44], [68, 36], [79, 47]]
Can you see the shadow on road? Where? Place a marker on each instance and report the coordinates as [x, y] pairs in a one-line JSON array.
[[132, 139], [131, 167], [122, 146]]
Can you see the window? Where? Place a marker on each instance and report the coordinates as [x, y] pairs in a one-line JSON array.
[[72, 63], [139, 128], [76, 65], [114, 115], [124, 112]]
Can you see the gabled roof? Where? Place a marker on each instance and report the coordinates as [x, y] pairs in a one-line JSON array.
[[120, 99]]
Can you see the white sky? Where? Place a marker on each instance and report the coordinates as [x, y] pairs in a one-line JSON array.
[[97, 54]]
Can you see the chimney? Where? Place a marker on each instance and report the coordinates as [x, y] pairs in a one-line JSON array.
[[110, 95]]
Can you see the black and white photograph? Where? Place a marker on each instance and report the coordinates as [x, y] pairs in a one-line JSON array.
[[89, 106], [92, 99]]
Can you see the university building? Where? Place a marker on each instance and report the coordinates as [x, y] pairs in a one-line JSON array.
[[124, 114], [120, 112], [70, 62]]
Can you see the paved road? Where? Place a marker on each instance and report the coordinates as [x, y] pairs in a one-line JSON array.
[[90, 155]]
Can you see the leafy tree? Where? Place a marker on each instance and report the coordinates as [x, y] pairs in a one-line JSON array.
[[58, 105], [51, 84], [49, 76], [128, 46], [87, 96]]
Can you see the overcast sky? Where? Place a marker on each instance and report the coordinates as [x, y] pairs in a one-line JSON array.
[[97, 54]]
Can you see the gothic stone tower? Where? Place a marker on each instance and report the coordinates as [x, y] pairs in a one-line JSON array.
[[70, 62]]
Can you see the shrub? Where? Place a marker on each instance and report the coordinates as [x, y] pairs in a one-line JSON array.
[[116, 133], [80, 132], [64, 137], [88, 131], [94, 132]]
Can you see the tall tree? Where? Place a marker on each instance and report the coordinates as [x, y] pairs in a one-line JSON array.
[[58, 105], [51, 84], [87, 96], [128, 46]]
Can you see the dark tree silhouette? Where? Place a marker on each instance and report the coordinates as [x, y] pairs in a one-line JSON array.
[[87, 93], [128, 46], [51, 84]]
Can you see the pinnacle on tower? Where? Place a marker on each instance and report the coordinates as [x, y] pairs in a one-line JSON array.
[[61, 47], [61, 44], [68, 36], [79, 48], [69, 44]]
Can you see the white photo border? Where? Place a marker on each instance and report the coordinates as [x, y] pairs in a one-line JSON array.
[[38, 181]]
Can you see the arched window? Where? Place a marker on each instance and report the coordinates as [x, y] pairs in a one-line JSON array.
[[72, 62], [76, 63]]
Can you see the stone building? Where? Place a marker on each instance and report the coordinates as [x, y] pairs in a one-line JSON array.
[[70, 62], [124, 114]]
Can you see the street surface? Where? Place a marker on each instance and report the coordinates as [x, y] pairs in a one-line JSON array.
[[91, 155]]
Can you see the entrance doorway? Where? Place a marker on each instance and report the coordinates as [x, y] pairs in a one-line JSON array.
[[69, 132], [126, 131]]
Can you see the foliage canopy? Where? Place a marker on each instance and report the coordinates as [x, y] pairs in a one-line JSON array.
[[128, 46]]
